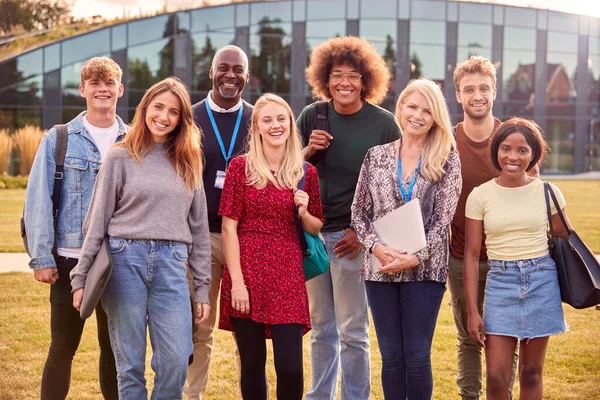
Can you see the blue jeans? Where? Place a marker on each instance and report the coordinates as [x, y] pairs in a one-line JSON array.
[[149, 289], [340, 328], [404, 315]]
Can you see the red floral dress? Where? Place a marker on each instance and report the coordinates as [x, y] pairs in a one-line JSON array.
[[270, 254]]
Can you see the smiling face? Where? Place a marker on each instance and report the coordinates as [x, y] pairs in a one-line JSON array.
[[101, 94], [415, 115], [273, 124], [345, 91], [472, 95], [514, 155], [229, 73], [163, 115]]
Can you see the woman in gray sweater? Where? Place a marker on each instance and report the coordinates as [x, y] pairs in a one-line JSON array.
[[150, 201]]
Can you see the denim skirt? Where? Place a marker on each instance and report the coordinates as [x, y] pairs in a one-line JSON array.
[[522, 299]]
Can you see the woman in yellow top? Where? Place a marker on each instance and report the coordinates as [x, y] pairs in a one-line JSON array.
[[522, 296]]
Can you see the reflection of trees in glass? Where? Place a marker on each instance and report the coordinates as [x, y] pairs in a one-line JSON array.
[[389, 55], [15, 88], [271, 65], [202, 61], [140, 76], [416, 68]]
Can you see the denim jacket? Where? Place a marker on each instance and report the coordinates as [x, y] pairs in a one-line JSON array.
[[82, 163]]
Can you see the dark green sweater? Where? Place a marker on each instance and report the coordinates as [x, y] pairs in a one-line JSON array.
[[353, 135]]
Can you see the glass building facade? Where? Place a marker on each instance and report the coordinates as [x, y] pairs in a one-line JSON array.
[[548, 62]]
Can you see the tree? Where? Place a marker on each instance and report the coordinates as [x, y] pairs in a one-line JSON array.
[[31, 14], [415, 67]]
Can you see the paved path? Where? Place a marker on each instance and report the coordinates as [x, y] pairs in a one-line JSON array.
[[14, 262]]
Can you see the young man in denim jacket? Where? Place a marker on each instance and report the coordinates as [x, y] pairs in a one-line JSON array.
[[90, 135]]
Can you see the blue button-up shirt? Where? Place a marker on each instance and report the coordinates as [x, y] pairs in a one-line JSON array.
[[82, 163]]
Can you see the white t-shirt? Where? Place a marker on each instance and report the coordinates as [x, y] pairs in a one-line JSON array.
[[104, 138]]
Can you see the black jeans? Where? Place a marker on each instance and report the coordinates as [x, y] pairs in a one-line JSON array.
[[66, 327], [287, 354]]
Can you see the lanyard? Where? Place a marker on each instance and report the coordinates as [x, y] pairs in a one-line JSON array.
[[218, 134], [405, 196]]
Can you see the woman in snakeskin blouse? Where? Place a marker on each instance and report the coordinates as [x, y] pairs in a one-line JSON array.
[[406, 292]]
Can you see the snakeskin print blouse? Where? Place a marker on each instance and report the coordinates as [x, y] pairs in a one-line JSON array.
[[377, 193]]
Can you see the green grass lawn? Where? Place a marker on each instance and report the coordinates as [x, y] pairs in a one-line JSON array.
[[572, 369]]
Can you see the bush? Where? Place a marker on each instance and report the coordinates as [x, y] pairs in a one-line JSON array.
[[13, 182], [26, 142], [6, 146]]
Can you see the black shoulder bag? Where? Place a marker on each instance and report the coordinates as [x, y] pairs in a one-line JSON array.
[[60, 151], [578, 269]]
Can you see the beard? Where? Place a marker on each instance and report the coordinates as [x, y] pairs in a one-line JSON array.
[[229, 93], [477, 116]]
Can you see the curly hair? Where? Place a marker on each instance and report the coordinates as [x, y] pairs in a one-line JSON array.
[[361, 54], [102, 68]]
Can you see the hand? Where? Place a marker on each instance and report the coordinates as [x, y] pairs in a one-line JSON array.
[[46, 275], [301, 200], [476, 329], [319, 140], [77, 298], [346, 245], [240, 300], [401, 261], [202, 311], [380, 252]]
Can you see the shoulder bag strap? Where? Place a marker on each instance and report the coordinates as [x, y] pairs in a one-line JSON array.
[[59, 156], [548, 190]]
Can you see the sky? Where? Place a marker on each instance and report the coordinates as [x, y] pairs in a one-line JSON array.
[[131, 8]]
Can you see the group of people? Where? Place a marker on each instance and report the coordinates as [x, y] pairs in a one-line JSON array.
[[199, 205]]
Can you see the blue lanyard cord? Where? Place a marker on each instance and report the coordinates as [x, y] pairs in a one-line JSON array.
[[405, 196], [218, 134]]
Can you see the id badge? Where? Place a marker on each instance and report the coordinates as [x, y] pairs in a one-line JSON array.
[[220, 179]]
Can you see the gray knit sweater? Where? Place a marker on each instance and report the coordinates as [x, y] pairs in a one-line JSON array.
[[144, 201]]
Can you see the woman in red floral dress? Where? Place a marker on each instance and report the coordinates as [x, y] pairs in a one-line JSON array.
[[263, 292]]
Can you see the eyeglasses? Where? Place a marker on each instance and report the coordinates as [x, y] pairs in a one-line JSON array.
[[337, 77], [483, 89]]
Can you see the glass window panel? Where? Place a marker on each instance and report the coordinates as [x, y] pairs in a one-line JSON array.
[[326, 9], [428, 10], [242, 14], [16, 118], [594, 45], [594, 84], [560, 83], [52, 57], [560, 136], [146, 66], [474, 35], [319, 31], [183, 22], [427, 60], [149, 29], [119, 37], [464, 53], [563, 22], [498, 15], [452, 12], [270, 52], [565, 42], [85, 46], [26, 93], [27, 65], [524, 17], [273, 11], [475, 12], [519, 38], [212, 18], [299, 10], [592, 153], [70, 78], [518, 75], [383, 35], [353, 9], [542, 19], [204, 47], [403, 9], [384, 9], [595, 28], [428, 32]]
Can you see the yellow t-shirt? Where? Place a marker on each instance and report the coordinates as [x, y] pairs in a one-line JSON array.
[[515, 220]]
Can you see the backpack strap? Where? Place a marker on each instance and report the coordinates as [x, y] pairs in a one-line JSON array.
[[299, 228], [321, 111], [60, 152]]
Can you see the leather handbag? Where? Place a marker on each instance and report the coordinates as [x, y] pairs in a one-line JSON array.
[[315, 260], [96, 280], [578, 269]]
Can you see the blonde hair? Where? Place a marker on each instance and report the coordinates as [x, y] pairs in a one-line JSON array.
[[440, 139], [183, 145], [102, 68], [290, 171], [474, 65]]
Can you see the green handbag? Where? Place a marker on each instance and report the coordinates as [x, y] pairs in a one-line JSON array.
[[315, 259]]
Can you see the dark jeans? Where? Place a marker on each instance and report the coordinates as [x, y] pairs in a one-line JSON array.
[[66, 327], [405, 315], [287, 354]]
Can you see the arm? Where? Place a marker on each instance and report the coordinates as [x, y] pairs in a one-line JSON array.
[[559, 228], [240, 298], [39, 222], [473, 236], [199, 258], [317, 139]]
